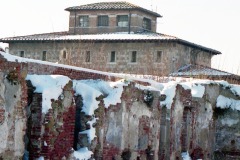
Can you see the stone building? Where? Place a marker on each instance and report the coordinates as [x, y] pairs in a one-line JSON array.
[[115, 37]]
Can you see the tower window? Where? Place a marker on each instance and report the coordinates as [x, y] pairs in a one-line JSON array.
[[147, 23], [83, 21], [122, 20]]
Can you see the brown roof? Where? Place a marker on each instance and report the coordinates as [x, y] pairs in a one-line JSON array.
[[111, 6], [204, 72], [191, 70]]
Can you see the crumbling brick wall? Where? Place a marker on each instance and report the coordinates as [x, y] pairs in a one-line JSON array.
[[51, 135]]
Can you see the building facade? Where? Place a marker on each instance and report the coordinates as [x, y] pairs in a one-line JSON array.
[[115, 37]]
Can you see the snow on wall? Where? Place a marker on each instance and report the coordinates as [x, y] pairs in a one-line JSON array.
[[91, 89], [50, 86], [83, 154], [169, 90], [225, 103], [91, 133], [229, 121], [197, 90], [185, 156]]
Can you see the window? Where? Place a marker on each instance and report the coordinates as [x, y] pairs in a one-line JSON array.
[[83, 21], [134, 56], [44, 55], [122, 21], [113, 56], [147, 23], [102, 20], [87, 56], [159, 56], [64, 55], [22, 53]]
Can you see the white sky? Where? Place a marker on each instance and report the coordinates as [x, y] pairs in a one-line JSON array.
[[211, 23]]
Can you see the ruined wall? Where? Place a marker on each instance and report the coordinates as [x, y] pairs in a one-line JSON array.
[[173, 57], [132, 129], [198, 126], [13, 99], [51, 135]]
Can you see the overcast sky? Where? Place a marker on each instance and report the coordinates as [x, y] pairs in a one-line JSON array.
[[211, 23]]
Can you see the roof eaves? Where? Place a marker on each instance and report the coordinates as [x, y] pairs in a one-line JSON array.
[[206, 49]]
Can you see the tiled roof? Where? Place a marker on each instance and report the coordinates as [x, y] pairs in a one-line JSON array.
[[190, 70], [106, 37], [93, 37], [111, 6]]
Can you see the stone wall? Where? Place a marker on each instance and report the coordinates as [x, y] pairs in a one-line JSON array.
[[173, 57]]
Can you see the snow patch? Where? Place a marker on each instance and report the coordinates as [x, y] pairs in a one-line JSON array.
[[91, 133], [235, 89], [51, 87], [41, 158], [197, 90], [148, 88], [83, 154], [169, 90], [225, 103], [91, 89], [89, 95], [229, 122], [185, 156]]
